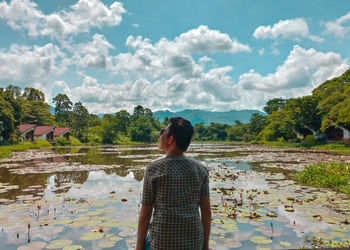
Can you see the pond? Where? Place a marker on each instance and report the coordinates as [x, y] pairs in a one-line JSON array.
[[89, 197]]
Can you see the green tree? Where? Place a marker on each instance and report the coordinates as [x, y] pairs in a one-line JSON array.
[[12, 94], [32, 94], [143, 130], [123, 121], [257, 123], [80, 120], [7, 119], [274, 105], [63, 108]]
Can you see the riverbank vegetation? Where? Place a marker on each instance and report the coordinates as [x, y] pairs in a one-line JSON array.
[[300, 122], [328, 175]]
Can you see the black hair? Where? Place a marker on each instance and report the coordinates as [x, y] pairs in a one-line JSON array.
[[182, 131]]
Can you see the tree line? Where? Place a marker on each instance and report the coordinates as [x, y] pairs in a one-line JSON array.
[[319, 114]]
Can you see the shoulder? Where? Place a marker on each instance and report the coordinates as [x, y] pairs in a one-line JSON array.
[[198, 165], [155, 164]]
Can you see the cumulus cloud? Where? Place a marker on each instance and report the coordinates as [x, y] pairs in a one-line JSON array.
[[31, 64], [24, 14], [302, 71], [339, 27], [93, 54], [166, 58], [294, 29]]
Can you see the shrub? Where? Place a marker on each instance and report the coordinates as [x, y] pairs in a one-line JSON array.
[[62, 141], [281, 139], [247, 137], [74, 141], [329, 175], [5, 152]]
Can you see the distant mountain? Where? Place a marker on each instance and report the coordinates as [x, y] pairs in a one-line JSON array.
[[196, 116]]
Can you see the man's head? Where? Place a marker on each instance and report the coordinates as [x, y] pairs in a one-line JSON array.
[[181, 130]]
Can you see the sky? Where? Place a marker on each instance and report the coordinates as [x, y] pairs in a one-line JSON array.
[[214, 55]]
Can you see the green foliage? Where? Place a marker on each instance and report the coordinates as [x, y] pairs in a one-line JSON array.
[[143, 128], [79, 121], [274, 105], [310, 141], [281, 139], [62, 141], [63, 108], [329, 175], [4, 152], [317, 242], [74, 141]]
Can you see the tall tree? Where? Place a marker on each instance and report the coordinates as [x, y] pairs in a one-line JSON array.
[[7, 119], [63, 107], [80, 120], [123, 121], [274, 105]]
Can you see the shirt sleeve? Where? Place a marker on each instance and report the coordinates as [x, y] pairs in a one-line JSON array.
[[148, 193], [205, 186]]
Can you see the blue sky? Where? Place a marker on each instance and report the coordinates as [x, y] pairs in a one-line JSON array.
[[173, 54]]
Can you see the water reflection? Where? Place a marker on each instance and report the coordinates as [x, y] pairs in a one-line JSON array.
[[240, 189]]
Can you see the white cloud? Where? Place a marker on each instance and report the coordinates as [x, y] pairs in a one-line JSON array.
[[31, 64], [339, 28], [24, 14], [302, 71], [136, 25], [204, 40], [94, 53], [166, 58], [294, 29], [261, 51]]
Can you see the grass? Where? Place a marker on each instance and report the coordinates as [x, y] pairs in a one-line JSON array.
[[5, 151], [328, 175], [124, 140]]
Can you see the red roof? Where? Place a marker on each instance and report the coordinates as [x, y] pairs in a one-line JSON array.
[[25, 127], [60, 131], [40, 130]]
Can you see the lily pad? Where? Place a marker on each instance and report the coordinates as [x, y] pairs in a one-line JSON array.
[[285, 243], [106, 244], [92, 236], [260, 240], [73, 247], [56, 244], [33, 246]]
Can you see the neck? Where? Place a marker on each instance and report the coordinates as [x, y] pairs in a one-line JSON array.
[[174, 151]]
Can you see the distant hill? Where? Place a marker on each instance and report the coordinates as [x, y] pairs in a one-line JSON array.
[[196, 116]]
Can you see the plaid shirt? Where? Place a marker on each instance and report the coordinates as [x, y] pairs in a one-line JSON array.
[[173, 185]]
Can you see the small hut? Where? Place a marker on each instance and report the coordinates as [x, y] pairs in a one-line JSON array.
[[44, 133], [61, 132], [26, 132]]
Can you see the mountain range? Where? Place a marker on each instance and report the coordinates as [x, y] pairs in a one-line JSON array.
[[196, 116]]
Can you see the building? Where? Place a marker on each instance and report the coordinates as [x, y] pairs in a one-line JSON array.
[[44, 133], [61, 132], [26, 132], [31, 132]]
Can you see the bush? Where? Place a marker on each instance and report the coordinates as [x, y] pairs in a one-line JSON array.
[[62, 141], [74, 141], [5, 152], [329, 175], [281, 139], [309, 141], [247, 137]]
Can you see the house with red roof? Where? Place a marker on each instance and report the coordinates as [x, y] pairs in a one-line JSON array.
[[44, 133], [31, 132], [61, 132], [26, 132]]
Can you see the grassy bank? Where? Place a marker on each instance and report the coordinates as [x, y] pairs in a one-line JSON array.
[[328, 175], [6, 150]]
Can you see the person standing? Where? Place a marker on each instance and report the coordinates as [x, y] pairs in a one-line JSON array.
[[174, 189]]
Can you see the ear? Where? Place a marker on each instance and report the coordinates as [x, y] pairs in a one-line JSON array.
[[171, 139]]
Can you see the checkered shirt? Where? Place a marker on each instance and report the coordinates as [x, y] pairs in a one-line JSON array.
[[173, 185]]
